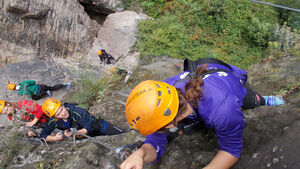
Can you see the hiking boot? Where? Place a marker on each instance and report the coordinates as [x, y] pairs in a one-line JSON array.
[[49, 93], [273, 100], [67, 85]]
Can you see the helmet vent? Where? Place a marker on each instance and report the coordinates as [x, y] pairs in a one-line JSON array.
[[133, 123], [158, 102], [167, 112], [169, 91], [159, 93], [138, 118], [158, 85]]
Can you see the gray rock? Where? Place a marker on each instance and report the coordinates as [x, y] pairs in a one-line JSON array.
[[117, 36], [41, 28]]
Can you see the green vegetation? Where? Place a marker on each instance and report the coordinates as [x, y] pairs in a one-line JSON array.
[[10, 147], [291, 18], [90, 89], [290, 89], [281, 42], [237, 32]]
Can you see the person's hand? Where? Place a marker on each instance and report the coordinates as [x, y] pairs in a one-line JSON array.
[[59, 136], [30, 133], [79, 136], [29, 124], [68, 133], [134, 161]]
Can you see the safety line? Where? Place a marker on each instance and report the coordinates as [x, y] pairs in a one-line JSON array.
[[278, 6]]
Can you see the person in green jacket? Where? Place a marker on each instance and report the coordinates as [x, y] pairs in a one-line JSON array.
[[36, 91]]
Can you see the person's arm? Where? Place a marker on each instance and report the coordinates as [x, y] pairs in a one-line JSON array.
[[145, 154], [47, 130], [222, 160], [84, 121], [57, 137], [70, 134], [37, 110], [32, 123], [153, 148], [229, 126]]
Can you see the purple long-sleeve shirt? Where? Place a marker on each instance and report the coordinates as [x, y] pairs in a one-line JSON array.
[[219, 108]]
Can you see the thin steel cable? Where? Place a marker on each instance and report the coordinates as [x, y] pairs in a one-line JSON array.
[[278, 6]]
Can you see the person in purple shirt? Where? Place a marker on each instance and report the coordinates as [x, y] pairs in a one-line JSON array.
[[215, 99]]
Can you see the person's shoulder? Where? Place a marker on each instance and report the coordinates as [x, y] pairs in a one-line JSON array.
[[79, 111], [52, 121]]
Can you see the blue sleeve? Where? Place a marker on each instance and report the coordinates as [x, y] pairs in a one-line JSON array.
[[84, 120], [158, 141], [47, 130], [229, 125]]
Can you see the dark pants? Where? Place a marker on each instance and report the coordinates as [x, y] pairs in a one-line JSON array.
[[252, 98], [42, 90], [105, 128]]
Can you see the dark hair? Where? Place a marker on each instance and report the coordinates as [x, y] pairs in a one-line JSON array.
[[193, 91]]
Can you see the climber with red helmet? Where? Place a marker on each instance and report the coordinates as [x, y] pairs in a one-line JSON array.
[[213, 93]]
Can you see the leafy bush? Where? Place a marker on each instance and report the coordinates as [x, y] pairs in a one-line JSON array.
[[281, 41], [291, 18], [235, 31], [88, 90], [10, 147]]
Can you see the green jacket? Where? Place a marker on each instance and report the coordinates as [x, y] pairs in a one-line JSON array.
[[28, 87]]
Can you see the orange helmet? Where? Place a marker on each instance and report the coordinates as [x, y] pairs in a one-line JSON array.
[[2, 104], [11, 86], [151, 105], [99, 52], [112, 69], [50, 106]]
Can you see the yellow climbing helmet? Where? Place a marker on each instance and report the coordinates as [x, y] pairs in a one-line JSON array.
[[112, 69], [2, 104], [99, 52], [50, 106], [151, 105], [11, 86]]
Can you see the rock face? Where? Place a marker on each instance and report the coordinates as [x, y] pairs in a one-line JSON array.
[[33, 29], [41, 28], [46, 72], [118, 36], [270, 136]]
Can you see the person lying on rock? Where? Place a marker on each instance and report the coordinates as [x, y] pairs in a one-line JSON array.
[[36, 91], [214, 94], [68, 116], [24, 111]]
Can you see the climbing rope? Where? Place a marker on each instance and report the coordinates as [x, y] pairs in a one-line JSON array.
[[75, 132], [278, 6], [117, 151]]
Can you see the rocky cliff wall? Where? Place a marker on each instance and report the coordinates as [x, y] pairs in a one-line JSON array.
[[42, 28]]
